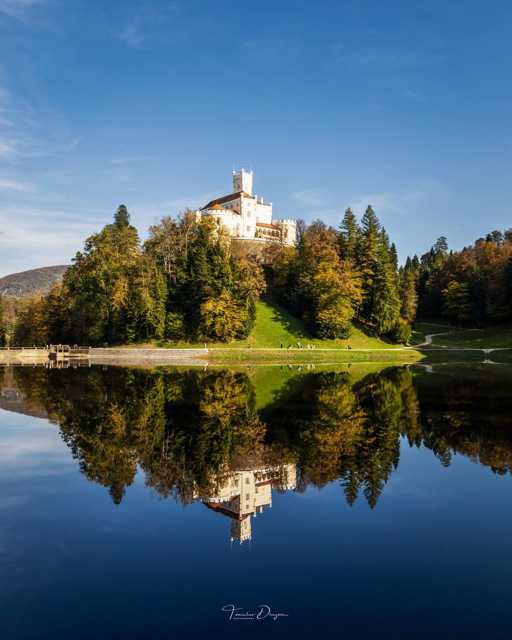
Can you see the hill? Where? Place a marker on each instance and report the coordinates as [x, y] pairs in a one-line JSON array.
[[277, 331], [275, 327], [28, 283]]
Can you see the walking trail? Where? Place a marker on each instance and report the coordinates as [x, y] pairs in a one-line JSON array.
[[428, 343]]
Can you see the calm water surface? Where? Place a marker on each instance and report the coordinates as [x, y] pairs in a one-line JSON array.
[[361, 503]]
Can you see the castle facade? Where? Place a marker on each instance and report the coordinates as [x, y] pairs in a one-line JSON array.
[[247, 216], [247, 492]]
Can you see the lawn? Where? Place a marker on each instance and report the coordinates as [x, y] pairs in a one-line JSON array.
[[275, 328], [423, 329], [305, 356], [279, 338], [500, 336]]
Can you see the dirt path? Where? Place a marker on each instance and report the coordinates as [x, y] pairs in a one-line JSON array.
[[429, 343], [428, 338]]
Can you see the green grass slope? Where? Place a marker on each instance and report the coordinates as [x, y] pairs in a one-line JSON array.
[[274, 327], [488, 338], [276, 336]]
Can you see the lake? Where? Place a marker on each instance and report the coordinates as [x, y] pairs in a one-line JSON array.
[[358, 502]]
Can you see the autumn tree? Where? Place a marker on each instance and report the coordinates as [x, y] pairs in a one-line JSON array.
[[468, 287], [112, 292], [206, 279], [31, 324], [457, 302]]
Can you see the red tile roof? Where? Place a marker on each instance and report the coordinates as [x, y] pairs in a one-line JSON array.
[[230, 198], [218, 207]]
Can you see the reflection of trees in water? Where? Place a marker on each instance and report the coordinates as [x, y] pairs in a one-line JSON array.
[[470, 414], [339, 430], [183, 428], [209, 421], [191, 430]]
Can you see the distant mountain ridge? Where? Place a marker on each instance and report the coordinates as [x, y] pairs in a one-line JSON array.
[[28, 283]]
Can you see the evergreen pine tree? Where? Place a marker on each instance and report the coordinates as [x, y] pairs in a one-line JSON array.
[[394, 256], [369, 259], [122, 217], [349, 236], [385, 311], [408, 294]]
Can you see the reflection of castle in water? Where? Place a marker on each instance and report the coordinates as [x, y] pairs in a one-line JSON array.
[[247, 492]]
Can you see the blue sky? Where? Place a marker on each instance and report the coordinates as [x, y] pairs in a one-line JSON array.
[[405, 105]]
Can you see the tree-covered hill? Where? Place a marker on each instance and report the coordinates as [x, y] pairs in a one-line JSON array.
[[28, 283]]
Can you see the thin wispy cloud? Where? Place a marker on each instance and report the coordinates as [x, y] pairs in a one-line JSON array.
[[318, 204], [148, 26], [14, 130], [121, 160], [6, 122], [24, 135], [148, 213], [309, 198], [314, 203], [382, 58], [387, 202], [33, 235], [7, 148], [14, 185], [132, 35]]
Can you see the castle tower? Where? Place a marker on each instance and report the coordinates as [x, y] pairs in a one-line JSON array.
[[241, 530], [242, 181]]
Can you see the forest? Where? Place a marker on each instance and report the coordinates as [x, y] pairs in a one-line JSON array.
[[469, 288], [189, 281]]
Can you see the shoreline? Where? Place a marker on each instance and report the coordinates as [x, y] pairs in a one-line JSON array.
[[161, 356]]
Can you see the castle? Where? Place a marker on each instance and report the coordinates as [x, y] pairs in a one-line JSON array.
[[247, 216], [246, 492]]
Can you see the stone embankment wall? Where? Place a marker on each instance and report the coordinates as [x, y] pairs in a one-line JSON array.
[[23, 356], [119, 355], [147, 356]]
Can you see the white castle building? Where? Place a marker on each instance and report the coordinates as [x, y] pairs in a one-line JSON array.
[[247, 216], [246, 492]]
